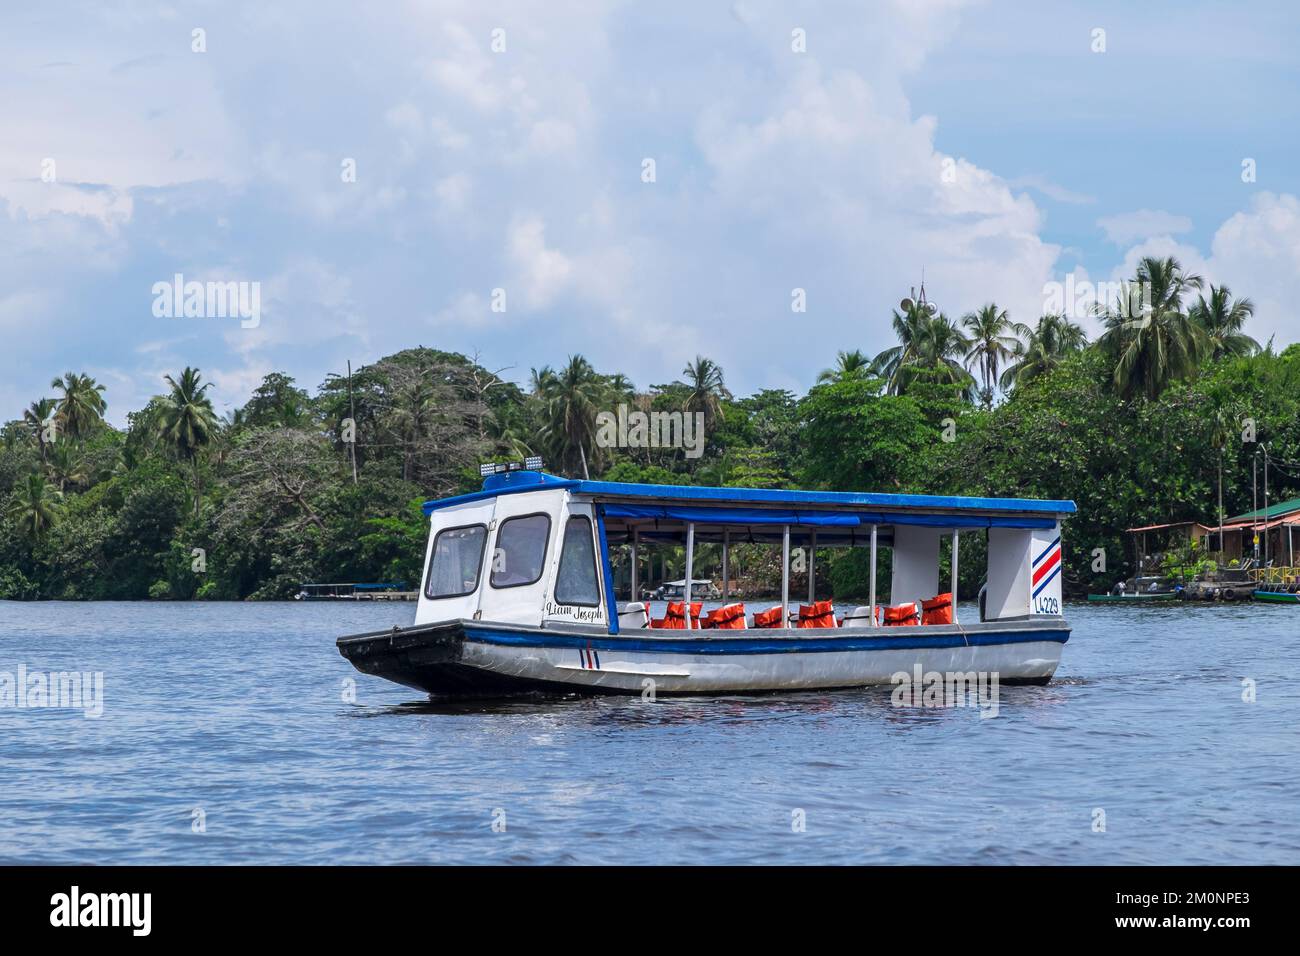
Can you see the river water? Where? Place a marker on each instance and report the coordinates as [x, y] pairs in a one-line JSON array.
[[225, 738]]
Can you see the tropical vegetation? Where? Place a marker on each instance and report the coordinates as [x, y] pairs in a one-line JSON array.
[[1141, 426]]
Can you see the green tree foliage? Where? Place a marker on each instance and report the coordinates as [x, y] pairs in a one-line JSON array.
[[81, 407], [34, 509], [187, 422], [856, 439], [1042, 348], [1160, 344], [992, 344], [179, 505]]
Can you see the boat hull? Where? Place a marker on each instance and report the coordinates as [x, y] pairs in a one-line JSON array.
[[1277, 597], [473, 657]]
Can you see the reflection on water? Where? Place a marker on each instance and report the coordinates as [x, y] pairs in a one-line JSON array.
[[240, 710]]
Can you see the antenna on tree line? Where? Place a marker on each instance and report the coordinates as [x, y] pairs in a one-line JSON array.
[[919, 301]]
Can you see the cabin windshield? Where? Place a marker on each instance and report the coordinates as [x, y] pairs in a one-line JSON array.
[[576, 582], [521, 551], [457, 557]]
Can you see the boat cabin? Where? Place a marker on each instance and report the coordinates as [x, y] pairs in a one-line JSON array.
[[537, 550]]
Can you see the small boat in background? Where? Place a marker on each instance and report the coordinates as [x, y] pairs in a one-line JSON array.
[[703, 588], [354, 591], [1278, 594], [1139, 589]]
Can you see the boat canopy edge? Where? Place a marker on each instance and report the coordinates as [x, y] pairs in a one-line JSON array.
[[521, 481]]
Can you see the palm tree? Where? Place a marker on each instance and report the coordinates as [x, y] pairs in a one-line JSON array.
[[909, 326], [414, 395], [938, 353], [572, 398], [1043, 348], [849, 367], [621, 386], [39, 415], [1161, 345], [188, 422], [82, 405], [992, 344], [35, 508], [708, 391], [66, 465], [1222, 318], [943, 349]]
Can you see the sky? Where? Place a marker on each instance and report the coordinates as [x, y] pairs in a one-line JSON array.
[[637, 183]]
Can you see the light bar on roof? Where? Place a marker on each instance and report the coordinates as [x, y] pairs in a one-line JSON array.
[[533, 463]]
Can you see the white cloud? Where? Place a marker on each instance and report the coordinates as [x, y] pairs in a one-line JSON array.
[[522, 169], [1257, 254], [1051, 190], [541, 271], [453, 191], [1130, 227]]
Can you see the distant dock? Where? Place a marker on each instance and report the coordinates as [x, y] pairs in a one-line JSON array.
[[354, 591]]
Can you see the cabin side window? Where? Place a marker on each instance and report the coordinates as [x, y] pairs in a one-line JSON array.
[[457, 558], [521, 551], [576, 581]]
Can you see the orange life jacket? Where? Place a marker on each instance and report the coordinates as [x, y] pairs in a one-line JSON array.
[[769, 618], [937, 610], [675, 617], [729, 618], [901, 615], [817, 614]]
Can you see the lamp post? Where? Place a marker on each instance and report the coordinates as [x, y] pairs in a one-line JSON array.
[[1264, 448]]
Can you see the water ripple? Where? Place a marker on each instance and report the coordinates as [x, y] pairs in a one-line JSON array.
[[226, 738]]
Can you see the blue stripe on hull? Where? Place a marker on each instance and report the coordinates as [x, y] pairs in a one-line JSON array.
[[787, 645]]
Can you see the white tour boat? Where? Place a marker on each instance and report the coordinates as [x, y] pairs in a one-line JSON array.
[[518, 591]]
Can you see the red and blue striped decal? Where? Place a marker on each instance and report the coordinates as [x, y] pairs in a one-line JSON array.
[[590, 657], [1046, 566]]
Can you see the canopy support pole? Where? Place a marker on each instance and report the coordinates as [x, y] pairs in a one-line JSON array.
[[954, 575], [636, 592], [785, 575], [873, 575], [690, 568], [812, 568], [726, 565]]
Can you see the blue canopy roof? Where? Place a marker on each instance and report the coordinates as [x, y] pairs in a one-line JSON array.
[[757, 505]]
